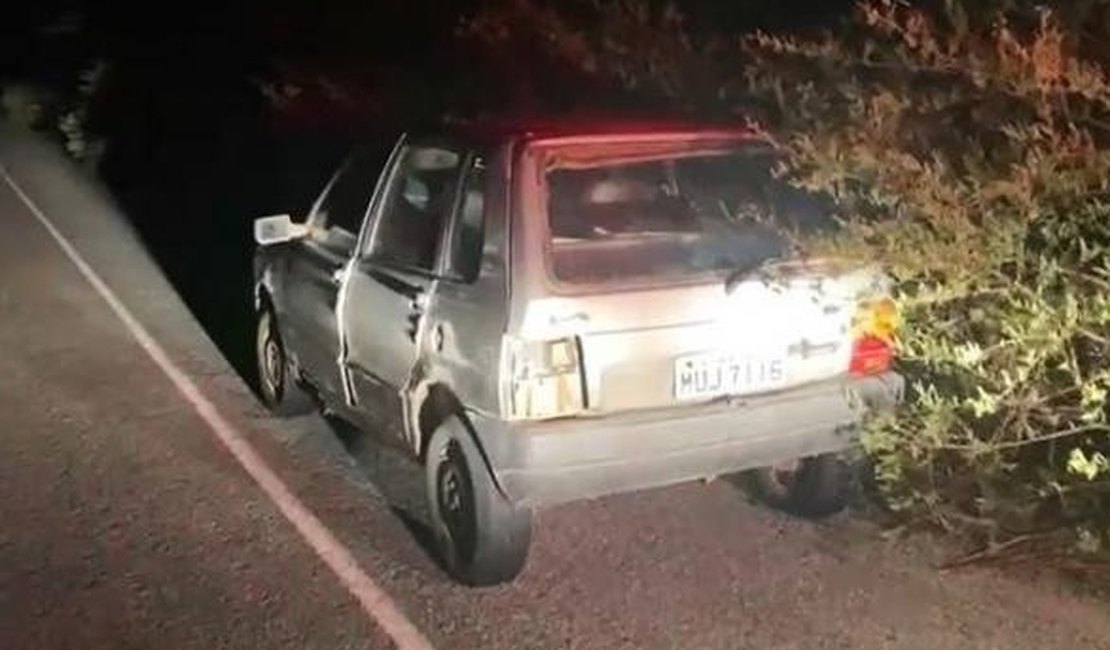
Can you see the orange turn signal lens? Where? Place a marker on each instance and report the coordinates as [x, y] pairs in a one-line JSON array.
[[875, 326], [878, 318]]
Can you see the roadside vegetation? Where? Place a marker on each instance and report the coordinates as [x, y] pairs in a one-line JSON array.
[[967, 149]]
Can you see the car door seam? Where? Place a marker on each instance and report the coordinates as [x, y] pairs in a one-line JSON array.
[[341, 330]]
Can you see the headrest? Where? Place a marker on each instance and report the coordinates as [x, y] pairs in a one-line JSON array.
[[612, 190], [428, 159]]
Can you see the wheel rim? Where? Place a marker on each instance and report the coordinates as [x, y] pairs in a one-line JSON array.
[[784, 475], [273, 362], [455, 500]]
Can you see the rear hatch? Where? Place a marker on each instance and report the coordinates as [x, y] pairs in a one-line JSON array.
[[662, 253], [779, 329]]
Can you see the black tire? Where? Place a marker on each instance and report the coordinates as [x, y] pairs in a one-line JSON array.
[[278, 389], [482, 538], [816, 487]]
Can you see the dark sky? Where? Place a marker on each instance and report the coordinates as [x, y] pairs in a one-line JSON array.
[[383, 27], [189, 66]]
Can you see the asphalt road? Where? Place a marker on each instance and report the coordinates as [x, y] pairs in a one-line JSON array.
[[124, 523]]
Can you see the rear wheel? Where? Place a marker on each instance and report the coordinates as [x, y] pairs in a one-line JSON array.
[[818, 486], [481, 536], [279, 390]]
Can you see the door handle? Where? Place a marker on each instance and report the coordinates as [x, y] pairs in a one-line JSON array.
[[419, 302], [337, 276], [438, 337]]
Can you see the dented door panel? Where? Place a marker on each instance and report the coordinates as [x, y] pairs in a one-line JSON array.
[[390, 287], [384, 316]]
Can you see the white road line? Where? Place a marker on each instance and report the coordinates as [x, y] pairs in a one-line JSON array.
[[373, 599]]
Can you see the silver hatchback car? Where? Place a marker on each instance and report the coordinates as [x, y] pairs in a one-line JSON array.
[[548, 311]]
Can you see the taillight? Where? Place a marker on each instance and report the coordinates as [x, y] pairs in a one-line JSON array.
[[871, 355], [546, 379], [874, 328]]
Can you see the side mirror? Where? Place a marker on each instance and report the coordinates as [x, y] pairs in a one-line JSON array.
[[277, 229]]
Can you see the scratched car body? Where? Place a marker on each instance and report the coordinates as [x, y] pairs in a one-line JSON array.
[[545, 312]]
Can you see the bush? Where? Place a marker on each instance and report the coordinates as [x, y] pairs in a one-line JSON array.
[[25, 105], [72, 125], [63, 113], [966, 148], [968, 154]]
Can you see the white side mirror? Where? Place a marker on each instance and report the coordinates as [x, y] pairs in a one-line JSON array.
[[277, 229]]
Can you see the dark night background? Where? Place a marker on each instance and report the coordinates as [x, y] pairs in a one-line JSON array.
[[194, 148]]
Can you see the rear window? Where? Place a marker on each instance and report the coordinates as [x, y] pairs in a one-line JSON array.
[[675, 216]]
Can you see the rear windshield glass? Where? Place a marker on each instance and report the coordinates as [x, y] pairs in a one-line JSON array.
[[673, 217]]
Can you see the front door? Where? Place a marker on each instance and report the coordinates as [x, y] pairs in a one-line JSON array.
[[392, 283], [312, 285]]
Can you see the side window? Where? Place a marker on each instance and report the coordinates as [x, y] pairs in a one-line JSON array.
[[465, 257], [346, 201], [418, 203]]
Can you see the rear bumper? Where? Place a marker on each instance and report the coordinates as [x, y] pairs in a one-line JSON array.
[[566, 460]]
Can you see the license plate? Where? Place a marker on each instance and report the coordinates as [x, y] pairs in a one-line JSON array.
[[706, 376]]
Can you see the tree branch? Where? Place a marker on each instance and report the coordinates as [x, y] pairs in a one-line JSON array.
[[1016, 444]]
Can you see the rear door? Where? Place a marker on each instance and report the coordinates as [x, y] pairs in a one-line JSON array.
[[392, 283]]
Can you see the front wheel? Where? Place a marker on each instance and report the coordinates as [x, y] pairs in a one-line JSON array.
[[279, 390], [482, 537], [818, 486]]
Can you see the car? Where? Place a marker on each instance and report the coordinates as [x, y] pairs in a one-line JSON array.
[[543, 311]]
